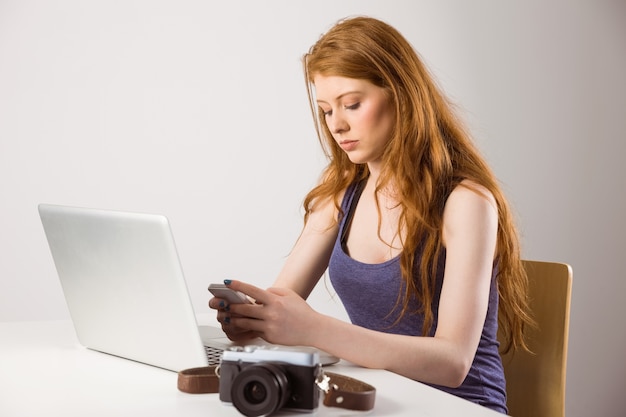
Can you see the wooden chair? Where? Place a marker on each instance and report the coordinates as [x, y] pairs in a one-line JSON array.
[[536, 381]]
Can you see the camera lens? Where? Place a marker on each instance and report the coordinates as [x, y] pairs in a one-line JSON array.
[[260, 389], [254, 392]]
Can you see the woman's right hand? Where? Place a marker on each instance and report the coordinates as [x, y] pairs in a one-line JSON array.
[[236, 334]]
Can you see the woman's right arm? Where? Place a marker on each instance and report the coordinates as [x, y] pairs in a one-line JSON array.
[[303, 268], [310, 255]]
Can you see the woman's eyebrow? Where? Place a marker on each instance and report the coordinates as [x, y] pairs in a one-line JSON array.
[[340, 96]]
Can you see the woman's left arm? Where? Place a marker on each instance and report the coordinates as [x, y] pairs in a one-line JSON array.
[[470, 226]]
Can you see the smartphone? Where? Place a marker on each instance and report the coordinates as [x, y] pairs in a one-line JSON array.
[[232, 296]]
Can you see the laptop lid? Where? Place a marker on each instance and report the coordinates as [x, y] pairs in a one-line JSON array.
[[124, 285]]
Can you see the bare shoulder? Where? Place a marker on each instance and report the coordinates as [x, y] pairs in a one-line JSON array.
[[471, 209], [324, 215], [472, 194]]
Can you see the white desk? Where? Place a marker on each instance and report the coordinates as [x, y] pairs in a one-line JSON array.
[[45, 372]]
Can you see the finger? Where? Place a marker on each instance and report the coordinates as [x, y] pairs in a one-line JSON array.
[[250, 324], [217, 303], [238, 335], [221, 316], [242, 337], [226, 321], [235, 331], [259, 295]]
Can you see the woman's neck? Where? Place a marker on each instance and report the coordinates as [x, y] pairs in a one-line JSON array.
[[374, 170]]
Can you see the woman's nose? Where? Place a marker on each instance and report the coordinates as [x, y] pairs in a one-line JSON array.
[[338, 124]]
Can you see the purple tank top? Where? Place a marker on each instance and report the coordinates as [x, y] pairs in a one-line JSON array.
[[369, 293]]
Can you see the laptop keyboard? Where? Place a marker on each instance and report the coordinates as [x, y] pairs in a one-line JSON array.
[[213, 354]]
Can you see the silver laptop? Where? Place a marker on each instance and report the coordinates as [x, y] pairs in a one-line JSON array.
[[125, 289]]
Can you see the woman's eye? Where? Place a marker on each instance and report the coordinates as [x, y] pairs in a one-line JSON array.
[[352, 106], [326, 113]]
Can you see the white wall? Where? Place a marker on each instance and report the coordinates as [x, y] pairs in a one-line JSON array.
[[197, 110]]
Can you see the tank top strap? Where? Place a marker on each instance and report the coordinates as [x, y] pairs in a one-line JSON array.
[[350, 200]]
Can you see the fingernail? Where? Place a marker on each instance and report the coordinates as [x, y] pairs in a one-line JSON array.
[[222, 304], [227, 320], [227, 308], [228, 281]]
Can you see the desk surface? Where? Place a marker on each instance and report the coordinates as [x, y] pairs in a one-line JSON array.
[[44, 371]]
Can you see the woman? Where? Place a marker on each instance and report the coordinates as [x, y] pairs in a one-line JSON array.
[[416, 234]]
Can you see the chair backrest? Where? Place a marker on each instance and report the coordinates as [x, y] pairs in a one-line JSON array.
[[536, 381]]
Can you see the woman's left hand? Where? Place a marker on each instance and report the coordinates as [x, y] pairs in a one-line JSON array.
[[280, 315]]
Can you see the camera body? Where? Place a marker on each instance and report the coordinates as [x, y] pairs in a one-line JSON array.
[[259, 380]]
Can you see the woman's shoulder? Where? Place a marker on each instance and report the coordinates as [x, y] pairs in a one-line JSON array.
[[471, 191], [470, 201], [326, 210], [470, 212]]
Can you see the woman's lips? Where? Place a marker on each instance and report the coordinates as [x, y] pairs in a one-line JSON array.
[[348, 145]]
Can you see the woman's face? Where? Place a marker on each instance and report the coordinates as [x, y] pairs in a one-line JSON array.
[[359, 114]]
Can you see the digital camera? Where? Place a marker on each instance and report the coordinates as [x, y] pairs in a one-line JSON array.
[[259, 380]]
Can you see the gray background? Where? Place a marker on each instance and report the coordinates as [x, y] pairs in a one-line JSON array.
[[197, 110]]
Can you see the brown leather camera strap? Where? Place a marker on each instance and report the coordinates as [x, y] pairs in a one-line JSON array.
[[350, 393], [202, 380], [343, 391]]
